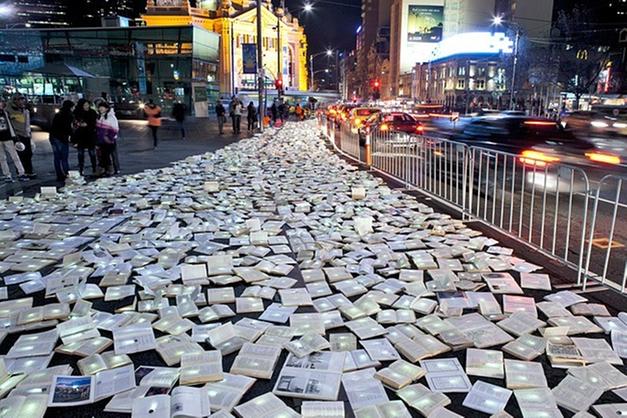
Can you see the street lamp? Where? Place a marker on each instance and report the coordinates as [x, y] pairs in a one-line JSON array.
[[328, 53], [308, 7], [498, 21]]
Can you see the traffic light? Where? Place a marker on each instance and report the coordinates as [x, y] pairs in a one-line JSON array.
[[376, 88], [278, 85]]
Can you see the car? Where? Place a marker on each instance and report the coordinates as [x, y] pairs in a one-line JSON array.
[[537, 141], [386, 121], [359, 115]]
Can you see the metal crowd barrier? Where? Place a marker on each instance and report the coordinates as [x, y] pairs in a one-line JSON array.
[[549, 206]]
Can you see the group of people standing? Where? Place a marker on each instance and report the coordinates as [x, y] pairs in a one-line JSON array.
[[236, 111], [90, 131]]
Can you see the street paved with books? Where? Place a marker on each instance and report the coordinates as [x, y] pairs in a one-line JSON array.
[[271, 278]]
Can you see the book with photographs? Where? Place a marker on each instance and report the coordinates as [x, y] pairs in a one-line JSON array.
[[316, 376]]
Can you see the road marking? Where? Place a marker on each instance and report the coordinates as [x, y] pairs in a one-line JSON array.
[[604, 243]]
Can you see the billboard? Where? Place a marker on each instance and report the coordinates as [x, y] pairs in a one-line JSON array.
[[424, 23], [249, 52]]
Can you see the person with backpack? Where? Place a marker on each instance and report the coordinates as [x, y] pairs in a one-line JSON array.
[[107, 129], [251, 116], [179, 111], [153, 114], [7, 146], [60, 133], [84, 137]]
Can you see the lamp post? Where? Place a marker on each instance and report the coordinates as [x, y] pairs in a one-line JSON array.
[[328, 53], [498, 21], [260, 77]]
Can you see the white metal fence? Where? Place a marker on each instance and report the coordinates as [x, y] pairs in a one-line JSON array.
[[550, 206]]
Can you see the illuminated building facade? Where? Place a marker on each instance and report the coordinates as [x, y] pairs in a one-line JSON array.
[[236, 23]]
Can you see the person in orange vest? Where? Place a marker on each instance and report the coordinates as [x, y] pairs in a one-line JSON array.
[[153, 113]]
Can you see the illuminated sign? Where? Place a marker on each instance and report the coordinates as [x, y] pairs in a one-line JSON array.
[[474, 43], [424, 23]]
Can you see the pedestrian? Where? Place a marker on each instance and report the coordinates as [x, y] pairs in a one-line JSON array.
[[20, 118], [60, 134], [275, 112], [251, 116], [299, 112], [179, 111], [107, 129], [282, 112], [7, 145], [236, 114], [221, 115], [84, 137], [153, 113]]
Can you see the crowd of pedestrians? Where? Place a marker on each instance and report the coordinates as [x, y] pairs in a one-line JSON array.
[[93, 129]]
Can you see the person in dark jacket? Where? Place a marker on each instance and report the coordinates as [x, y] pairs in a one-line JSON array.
[[221, 115], [60, 133], [84, 137], [179, 110], [251, 116], [275, 111]]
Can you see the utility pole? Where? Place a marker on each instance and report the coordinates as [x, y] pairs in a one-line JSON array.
[[513, 87], [279, 73], [260, 77], [311, 80]]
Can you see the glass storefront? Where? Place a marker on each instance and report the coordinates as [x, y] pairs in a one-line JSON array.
[[131, 65]]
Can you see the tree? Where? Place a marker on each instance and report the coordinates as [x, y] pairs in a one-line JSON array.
[[582, 57]]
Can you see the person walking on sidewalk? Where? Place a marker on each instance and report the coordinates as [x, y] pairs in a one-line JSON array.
[[251, 116], [60, 133], [84, 137], [153, 113], [107, 129], [20, 118], [236, 114], [7, 145], [179, 110], [221, 115]]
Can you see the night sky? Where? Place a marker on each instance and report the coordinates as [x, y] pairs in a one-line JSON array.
[[328, 25]]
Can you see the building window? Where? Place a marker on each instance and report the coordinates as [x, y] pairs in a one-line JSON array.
[[461, 70], [461, 84], [479, 84]]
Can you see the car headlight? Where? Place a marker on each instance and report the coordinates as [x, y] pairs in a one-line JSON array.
[[599, 124], [620, 125]]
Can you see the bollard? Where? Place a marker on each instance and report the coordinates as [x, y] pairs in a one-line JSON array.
[[368, 151]]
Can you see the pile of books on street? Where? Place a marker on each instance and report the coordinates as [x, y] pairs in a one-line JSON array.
[[273, 279]]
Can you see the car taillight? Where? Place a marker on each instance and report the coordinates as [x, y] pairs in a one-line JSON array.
[[420, 129], [603, 158], [384, 127], [536, 158]]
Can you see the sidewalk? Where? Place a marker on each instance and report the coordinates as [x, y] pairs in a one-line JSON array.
[[134, 148]]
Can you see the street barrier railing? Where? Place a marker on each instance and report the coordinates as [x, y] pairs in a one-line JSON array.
[[543, 204], [546, 205], [349, 141], [605, 241]]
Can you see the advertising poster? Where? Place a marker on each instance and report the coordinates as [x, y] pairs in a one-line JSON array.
[[424, 23], [249, 55]]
